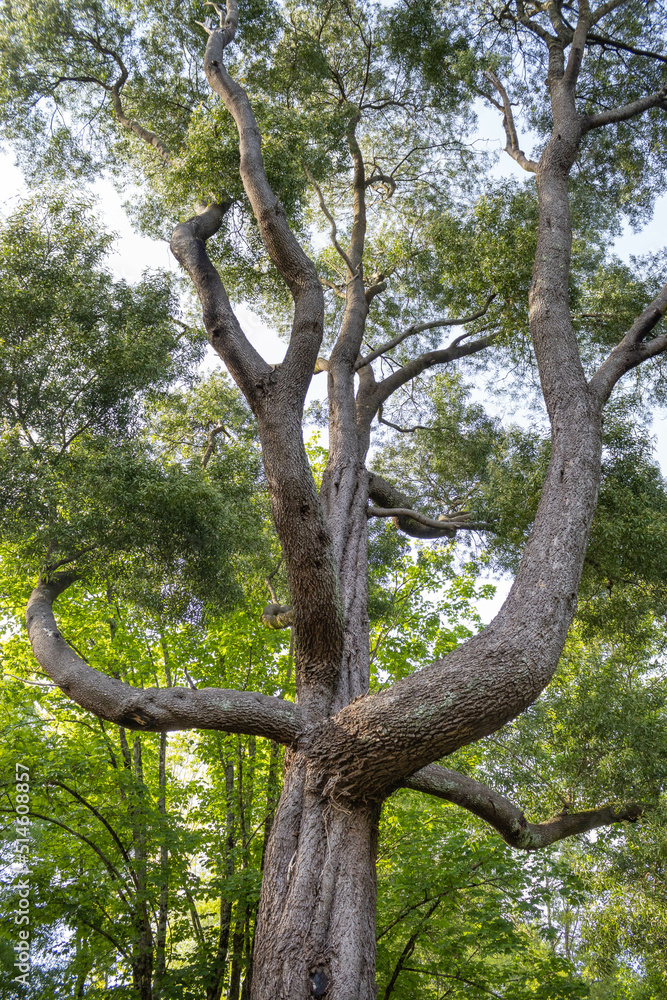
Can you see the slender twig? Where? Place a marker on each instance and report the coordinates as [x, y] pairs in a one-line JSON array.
[[330, 219]]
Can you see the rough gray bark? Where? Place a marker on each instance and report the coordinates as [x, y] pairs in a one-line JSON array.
[[348, 750], [507, 818]]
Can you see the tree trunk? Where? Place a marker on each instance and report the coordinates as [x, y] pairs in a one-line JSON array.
[[316, 922]]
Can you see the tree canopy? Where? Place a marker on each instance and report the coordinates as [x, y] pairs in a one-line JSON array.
[[474, 329]]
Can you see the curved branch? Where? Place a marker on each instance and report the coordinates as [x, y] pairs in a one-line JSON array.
[[605, 42], [278, 616], [415, 328], [632, 350], [134, 126], [445, 523], [384, 389], [507, 818], [394, 503], [188, 245], [626, 111], [210, 442], [143, 133], [293, 264], [512, 147], [150, 709], [332, 222], [116, 839], [110, 867]]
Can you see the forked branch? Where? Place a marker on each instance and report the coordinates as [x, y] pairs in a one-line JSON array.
[[188, 245], [293, 264], [507, 818]]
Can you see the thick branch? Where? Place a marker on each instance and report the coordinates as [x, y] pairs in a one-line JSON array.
[[576, 55], [398, 505], [188, 245], [416, 328], [295, 267], [626, 111], [507, 818], [149, 709], [512, 147], [451, 522], [278, 616], [633, 349]]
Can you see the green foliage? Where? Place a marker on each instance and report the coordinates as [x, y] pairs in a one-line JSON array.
[[102, 466], [220, 793], [117, 460]]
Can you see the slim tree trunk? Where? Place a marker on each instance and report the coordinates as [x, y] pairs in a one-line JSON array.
[[237, 953], [214, 989], [161, 936], [142, 952]]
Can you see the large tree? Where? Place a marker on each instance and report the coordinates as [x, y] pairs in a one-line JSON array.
[[368, 112]]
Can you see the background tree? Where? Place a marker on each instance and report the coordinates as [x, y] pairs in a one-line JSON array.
[[396, 182]]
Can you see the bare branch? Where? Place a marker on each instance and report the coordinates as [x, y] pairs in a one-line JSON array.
[[626, 111], [210, 443], [340, 292], [512, 147], [632, 350], [592, 38], [576, 55], [379, 285], [416, 328], [533, 26], [150, 709], [269, 578], [507, 818], [397, 427], [412, 369], [358, 238], [143, 133], [278, 616], [445, 523], [396, 504], [188, 245]]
